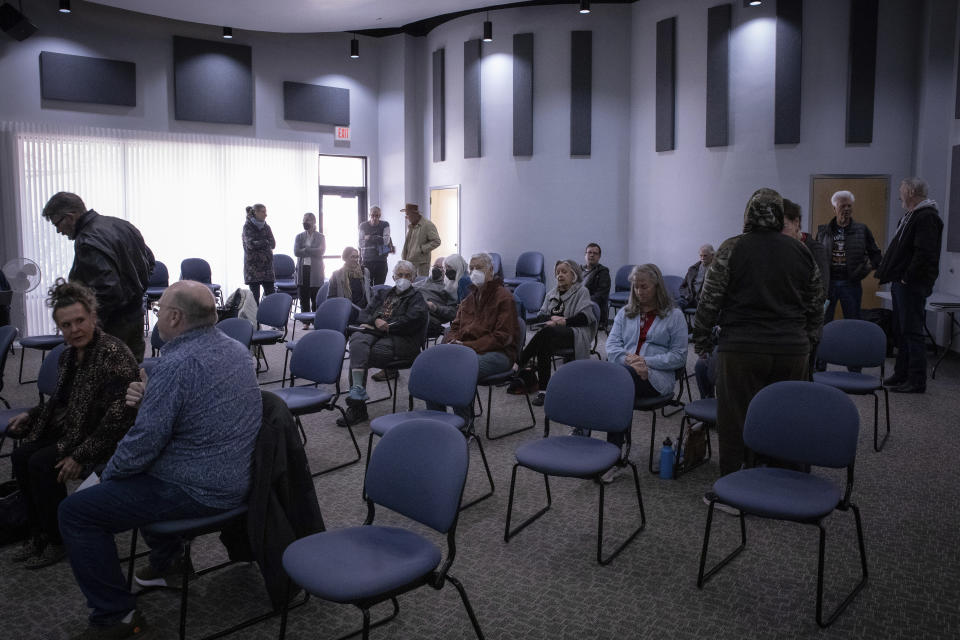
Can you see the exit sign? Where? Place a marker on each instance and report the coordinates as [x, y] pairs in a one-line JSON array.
[[341, 133]]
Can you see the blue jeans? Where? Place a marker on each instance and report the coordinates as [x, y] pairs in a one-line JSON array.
[[490, 363], [90, 518], [848, 293], [908, 316]]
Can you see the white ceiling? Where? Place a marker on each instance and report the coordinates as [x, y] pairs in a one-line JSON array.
[[300, 16]]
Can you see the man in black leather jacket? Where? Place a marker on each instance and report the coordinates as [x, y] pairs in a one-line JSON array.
[[111, 258]]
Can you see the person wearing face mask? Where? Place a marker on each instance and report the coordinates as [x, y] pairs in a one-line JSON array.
[[309, 248], [391, 328], [457, 276], [258, 246], [440, 299], [486, 321], [568, 321]]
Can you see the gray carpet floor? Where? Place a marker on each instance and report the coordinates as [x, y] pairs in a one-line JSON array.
[[545, 583]]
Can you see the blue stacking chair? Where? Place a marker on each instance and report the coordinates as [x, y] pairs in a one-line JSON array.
[[497, 264], [500, 378], [530, 294], [7, 335], [529, 267], [46, 386], [274, 312], [238, 329], [672, 283], [307, 316], [333, 313], [42, 343], [621, 287], [445, 374], [156, 343], [285, 273], [199, 269], [318, 359], [158, 282], [418, 471], [804, 424], [588, 395], [856, 344]]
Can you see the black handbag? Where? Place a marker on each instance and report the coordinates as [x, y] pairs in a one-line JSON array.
[[13, 513]]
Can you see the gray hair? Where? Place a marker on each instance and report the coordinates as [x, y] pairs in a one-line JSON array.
[[197, 304], [484, 258], [708, 248], [841, 195], [456, 261], [917, 186], [407, 264]]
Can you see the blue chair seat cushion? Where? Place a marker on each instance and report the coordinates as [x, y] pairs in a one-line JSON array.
[[155, 292], [381, 425], [266, 336], [286, 283], [193, 527], [352, 564], [619, 297], [44, 343], [704, 410], [783, 494], [291, 344], [305, 316], [849, 381], [496, 378], [302, 400], [652, 404], [568, 456]]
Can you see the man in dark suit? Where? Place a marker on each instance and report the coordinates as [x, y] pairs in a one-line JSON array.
[[596, 280], [911, 264]]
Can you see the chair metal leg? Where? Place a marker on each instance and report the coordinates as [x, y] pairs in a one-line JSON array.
[[23, 354], [877, 443], [356, 447], [643, 520], [863, 568], [507, 533], [703, 577], [133, 558], [533, 418], [483, 456], [466, 605], [653, 443]]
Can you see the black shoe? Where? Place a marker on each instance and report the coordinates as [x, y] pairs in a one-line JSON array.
[[116, 631], [384, 375], [893, 381], [538, 401], [355, 414], [910, 387], [51, 554], [171, 577]]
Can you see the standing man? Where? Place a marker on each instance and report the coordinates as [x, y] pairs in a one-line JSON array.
[[596, 280], [763, 289], [422, 238], [693, 281], [189, 454], [375, 244], [111, 258], [911, 265], [853, 254]]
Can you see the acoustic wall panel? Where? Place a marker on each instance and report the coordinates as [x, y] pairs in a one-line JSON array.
[[471, 99], [439, 109], [789, 58], [719, 20], [85, 79], [953, 224], [862, 70], [212, 81], [581, 91], [523, 94], [316, 103], [666, 98]]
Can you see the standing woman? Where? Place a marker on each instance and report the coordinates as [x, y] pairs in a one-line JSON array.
[[309, 248], [258, 246]]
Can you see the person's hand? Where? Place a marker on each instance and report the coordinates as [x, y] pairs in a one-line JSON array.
[[431, 306], [69, 468], [640, 366], [382, 324], [135, 390], [556, 321], [15, 425]]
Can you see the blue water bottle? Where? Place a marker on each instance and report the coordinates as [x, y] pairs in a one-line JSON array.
[[667, 456]]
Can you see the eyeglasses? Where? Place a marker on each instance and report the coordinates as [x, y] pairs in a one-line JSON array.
[[56, 223], [156, 310]]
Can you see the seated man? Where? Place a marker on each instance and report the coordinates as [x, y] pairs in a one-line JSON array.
[[596, 280], [693, 281], [487, 323], [440, 295], [189, 454], [392, 329]]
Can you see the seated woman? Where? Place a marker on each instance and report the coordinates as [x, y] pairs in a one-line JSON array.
[[455, 272], [351, 281], [78, 427], [649, 336], [568, 320], [392, 329]]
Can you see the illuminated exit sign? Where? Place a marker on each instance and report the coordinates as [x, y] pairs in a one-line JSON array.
[[341, 133]]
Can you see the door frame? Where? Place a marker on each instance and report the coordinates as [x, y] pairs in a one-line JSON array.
[[430, 191]]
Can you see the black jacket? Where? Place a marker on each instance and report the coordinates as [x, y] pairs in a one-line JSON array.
[[914, 253], [688, 288], [111, 258], [863, 254], [407, 319], [597, 282]]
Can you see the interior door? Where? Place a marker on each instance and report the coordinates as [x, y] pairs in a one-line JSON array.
[[871, 196], [445, 214], [340, 212]]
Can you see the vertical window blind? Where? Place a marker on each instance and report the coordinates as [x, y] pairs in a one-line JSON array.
[[185, 193]]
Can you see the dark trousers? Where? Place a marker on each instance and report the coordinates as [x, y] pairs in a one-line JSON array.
[[90, 518], [848, 293], [908, 317], [378, 271], [308, 294], [368, 350], [268, 288], [739, 377], [641, 389], [542, 347], [128, 327], [37, 478]]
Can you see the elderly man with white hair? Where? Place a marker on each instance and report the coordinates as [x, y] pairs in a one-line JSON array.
[[853, 254], [693, 281]]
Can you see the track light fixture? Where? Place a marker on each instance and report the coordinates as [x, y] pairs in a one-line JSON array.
[[752, 3], [64, 6], [354, 47], [487, 29], [227, 33], [584, 6]]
